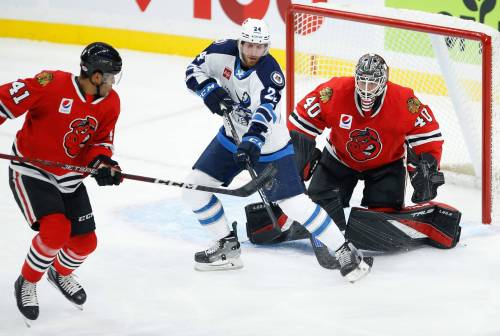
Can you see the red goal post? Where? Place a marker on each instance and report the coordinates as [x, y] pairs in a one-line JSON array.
[[451, 62]]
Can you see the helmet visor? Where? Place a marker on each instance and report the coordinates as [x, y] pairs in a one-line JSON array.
[[111, 79]]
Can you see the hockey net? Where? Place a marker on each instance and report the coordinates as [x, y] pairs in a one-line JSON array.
[[451, 64]]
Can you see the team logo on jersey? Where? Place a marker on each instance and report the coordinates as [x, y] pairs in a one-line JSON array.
[[244, 100], [227, 73], [65, 106], [364, 145], [277, 78], [413, 105], [81, 131], [220, 41], [242, 114], [345, 121], [325, 94], [44, 78]]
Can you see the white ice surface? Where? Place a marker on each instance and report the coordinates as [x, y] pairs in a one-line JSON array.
[[141, 281]]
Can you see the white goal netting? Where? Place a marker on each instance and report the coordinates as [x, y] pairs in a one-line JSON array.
[[445, 72]]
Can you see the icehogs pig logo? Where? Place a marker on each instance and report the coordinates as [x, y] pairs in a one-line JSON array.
[[81, 130], [364, 145]]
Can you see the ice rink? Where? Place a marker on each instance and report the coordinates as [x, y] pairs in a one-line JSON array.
[[141, 281]]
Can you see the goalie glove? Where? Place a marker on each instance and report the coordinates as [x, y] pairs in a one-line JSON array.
[[215, 97], [108, 171], [425, 179]]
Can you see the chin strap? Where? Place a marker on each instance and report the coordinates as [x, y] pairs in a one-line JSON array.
[[98, 87]]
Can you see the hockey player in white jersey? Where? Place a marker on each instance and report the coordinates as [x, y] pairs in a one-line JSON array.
[[242, 77]]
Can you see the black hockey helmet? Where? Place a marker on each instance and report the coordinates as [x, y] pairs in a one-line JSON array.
[[100, 57]]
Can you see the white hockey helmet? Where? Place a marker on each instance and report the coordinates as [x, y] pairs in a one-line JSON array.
[[255, 31]]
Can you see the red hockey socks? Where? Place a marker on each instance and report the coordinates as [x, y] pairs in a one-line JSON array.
[[54, 232], [72, 255]]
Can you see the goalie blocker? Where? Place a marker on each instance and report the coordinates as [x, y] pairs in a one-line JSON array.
[[432, 223]]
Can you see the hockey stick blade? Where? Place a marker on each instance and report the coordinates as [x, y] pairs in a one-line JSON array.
[[251, 187], [323, 256]]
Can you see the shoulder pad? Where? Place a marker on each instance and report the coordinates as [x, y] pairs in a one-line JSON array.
[[44, 77], [226, 47], [269, 73]]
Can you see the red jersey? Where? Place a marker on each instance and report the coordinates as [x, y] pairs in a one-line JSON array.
[[62, 124], [361, 141]]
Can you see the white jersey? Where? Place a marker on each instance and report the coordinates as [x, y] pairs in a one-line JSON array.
[[257, 90]]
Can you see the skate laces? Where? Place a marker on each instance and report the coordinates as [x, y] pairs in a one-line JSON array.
[[344, 255], [217, 246], [68, 284], [28, 294]]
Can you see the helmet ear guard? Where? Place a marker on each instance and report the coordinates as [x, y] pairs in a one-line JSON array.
[[371, 75]]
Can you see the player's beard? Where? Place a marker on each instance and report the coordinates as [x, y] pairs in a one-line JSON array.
[[250, 61]]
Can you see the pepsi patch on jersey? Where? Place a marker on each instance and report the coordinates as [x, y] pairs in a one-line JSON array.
[[277, 78], [345, 121], [65, 106]]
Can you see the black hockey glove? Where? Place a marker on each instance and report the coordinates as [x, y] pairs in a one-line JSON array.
[[425, 179], [216, 98], [108, 171], [311, 165], [307, 156], [248, 151]]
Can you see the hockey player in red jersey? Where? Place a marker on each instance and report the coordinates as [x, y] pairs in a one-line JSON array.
[[69, 119], [372, 121]]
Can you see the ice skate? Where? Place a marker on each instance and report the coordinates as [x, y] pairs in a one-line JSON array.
[[223, 255], [353, 266], [68, 286], [27, 301]]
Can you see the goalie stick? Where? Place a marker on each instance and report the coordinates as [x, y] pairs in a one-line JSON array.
[[243, 191], [253, 175]]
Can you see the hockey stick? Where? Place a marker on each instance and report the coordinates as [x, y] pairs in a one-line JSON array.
[[243, 191], [253, 175], [323, 256]]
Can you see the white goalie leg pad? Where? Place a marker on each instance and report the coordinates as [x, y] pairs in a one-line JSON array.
[[301, 209], [206, 206]]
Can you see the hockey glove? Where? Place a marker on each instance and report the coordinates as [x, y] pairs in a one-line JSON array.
[[248, 151], [216, 98], [108, 171], [425, 179]]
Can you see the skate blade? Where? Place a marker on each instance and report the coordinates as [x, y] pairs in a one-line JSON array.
[[363, 269], [79, 307], [229, 264], [28, 322]]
